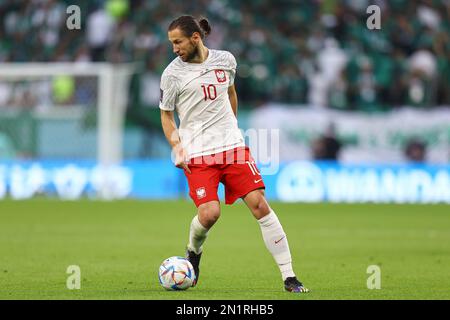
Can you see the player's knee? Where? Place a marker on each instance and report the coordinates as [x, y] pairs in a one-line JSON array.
[[263, 208], [260, 206], [208, 214]]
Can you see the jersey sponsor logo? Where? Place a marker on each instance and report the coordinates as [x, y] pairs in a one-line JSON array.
[[201, 192], [221, 76]]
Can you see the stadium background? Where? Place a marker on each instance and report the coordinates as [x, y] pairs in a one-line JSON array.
[[363, 116], [335, 89]]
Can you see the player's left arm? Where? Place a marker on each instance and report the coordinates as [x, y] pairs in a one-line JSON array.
[[232, 95]]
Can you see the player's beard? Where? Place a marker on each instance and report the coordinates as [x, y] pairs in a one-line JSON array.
[[192, 54]]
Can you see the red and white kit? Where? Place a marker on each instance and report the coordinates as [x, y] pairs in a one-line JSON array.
[[208, 128]]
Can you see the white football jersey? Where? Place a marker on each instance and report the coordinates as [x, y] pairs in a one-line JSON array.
[[199, 94]]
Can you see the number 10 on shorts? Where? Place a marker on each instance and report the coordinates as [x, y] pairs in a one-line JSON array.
[[253, 168]]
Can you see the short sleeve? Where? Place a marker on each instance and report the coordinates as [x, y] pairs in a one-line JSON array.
[[168, 92], [233, 65]]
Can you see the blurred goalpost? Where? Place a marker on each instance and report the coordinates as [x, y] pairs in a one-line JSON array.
[[110, 85], [47, 112]]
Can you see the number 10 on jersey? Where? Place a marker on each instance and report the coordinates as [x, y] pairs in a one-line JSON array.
[[209, 92]]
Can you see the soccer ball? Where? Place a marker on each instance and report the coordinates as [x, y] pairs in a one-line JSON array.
[[176, 273]]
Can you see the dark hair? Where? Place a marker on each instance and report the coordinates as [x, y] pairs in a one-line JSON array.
[[188, 25]]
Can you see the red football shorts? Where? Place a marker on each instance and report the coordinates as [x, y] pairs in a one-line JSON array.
[[235, 168]]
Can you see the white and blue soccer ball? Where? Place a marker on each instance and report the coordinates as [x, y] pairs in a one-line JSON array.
[[176, 273]]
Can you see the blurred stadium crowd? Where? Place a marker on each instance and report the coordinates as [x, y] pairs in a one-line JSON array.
[[317, 53]]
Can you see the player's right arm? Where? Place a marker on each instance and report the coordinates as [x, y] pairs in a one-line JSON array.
[[171, 132], [167, 106]]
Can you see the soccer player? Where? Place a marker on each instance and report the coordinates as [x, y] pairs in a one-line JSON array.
[[208, 145]]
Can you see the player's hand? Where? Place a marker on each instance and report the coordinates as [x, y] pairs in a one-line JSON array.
[[181, 158]]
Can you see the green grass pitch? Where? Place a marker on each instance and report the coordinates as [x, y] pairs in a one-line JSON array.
[[119, 246]]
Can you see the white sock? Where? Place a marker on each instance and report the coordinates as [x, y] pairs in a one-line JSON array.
[[197, 236], [276, 242]]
